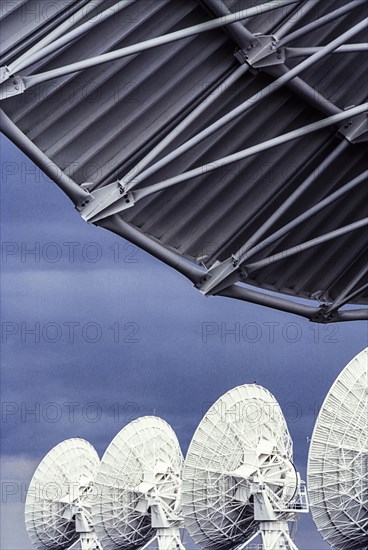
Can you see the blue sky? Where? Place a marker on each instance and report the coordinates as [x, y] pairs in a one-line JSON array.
[[96, 332]]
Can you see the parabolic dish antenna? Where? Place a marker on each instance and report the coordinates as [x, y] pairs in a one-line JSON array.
[[239, 480], [338, 460], [139, 488], [58, 503], [184, 163]]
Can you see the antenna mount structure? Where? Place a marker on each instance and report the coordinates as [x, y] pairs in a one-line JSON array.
[[338, 460], [58, 504], [239, 481], [139, 488]]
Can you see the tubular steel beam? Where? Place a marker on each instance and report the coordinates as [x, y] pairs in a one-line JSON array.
[[49, 38], [350, 296], [39, 51], [303, 217], [153, 247], [241, 255], [304, 90], [195, 274], [242, 37], [250, 151], [249, 103], [345, 48], [346, 293], [226, 273], [186, 122], [242, 293], [28, 81], [265, 262], [66, 184], [320, 22], [246, 40], [239, 33], [227, 267], [117, 203], [351, 315], [293, 18]]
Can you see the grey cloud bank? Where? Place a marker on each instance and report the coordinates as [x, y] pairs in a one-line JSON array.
[[180, 352]]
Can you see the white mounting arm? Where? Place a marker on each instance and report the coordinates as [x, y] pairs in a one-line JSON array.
[[78, 510], [161, 493]]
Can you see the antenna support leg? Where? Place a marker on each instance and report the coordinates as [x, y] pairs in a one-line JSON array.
[[169, 539], [275, 536]]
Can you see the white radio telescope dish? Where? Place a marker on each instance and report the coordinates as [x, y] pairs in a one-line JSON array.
[[58, 504], [139, 488], [338, 460], [239, 481]]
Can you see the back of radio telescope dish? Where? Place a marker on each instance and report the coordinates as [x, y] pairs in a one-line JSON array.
[[338, 460]]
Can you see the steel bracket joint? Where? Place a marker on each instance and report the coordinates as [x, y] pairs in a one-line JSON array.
[[262, 53], [218, 273], [323, 316], [356, 129], [93, 206], [11, 86], [4, 73]]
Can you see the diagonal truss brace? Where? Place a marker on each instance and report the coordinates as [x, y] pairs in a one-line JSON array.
[[250, 151], [61, 36], [229, 271], [345, 48], [263, 53], [280, 256], [268, 52], [99, 203], [348, 292], [249, 103], [297, 249], [9, 90], [320, 22]]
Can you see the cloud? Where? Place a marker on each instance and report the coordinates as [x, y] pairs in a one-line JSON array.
[[110, 340]]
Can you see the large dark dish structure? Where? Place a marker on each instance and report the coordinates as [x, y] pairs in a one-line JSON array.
[[227, 138]]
